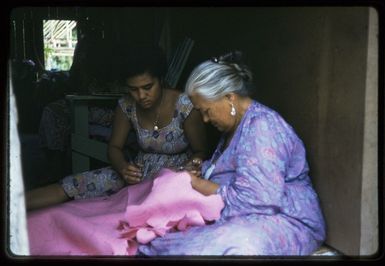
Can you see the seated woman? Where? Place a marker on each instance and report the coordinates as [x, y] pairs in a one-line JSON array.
[[259, 169], [258, 172], [169, 133]]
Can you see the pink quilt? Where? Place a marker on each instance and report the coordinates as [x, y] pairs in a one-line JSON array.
[[115, 225]]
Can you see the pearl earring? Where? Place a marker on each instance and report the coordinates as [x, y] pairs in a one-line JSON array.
[[233, 111]]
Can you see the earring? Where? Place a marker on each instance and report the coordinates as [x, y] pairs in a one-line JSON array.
[[233, 111]]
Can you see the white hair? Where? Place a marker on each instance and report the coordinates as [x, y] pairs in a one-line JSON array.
[[213, 80]]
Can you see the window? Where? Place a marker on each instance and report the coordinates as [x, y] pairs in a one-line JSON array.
[[60, 38]]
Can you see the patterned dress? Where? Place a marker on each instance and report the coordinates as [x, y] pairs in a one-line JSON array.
[[270, 205], [166, 147]]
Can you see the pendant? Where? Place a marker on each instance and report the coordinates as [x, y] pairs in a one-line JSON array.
[[155, 134], [156, 128]]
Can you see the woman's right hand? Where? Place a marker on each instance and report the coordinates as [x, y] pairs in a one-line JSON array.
[[131, 173], [193, 165]]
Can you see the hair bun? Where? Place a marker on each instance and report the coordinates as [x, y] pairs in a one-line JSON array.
[[246, 74], [232, 57]]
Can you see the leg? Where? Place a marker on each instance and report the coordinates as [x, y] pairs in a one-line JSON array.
[[89, 184], [45, 196]]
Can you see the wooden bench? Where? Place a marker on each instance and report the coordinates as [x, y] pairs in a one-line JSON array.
[[326, 250]]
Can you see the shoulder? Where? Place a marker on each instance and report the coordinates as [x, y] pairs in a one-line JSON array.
[[184, 99], [177, 95], [184, 104], [126, 104], [259, 120], [171, 94], [258, 113], [262, 122], [181, 100]]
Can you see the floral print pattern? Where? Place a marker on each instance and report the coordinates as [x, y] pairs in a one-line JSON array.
[[166, 147], [270, 208]]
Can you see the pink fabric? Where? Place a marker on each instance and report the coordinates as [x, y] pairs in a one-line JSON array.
[[171, 205], [116, 225]]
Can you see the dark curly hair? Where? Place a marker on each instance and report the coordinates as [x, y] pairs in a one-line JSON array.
[[140, 59]]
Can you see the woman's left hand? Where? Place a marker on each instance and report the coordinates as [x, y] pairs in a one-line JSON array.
[[201, 185], [195, 173], [195, 176]]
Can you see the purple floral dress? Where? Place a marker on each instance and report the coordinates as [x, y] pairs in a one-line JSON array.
[[270, 208], [166, 147]]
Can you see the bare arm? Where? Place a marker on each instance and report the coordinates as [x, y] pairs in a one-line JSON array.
[[120, 128], [195, 131], [204, 186]]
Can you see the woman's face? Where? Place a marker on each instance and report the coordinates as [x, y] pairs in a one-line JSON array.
[[145, 89], [216, 112]]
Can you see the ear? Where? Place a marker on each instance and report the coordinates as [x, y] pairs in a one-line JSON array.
[[230, 97]]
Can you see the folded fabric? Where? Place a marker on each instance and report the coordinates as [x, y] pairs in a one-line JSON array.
[[172, 205], [116, 225]]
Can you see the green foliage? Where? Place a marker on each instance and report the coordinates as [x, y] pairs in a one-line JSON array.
[[48, 51], [62, 62], [57, 51]]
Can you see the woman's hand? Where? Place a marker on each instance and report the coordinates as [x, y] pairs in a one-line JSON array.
[[194, 165], [195, 177], [131, 173], [203, 186]]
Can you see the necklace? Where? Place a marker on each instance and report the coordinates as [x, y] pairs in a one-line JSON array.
[[156, 128]]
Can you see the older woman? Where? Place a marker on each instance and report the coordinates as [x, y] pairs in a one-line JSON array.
[[259, 169]]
